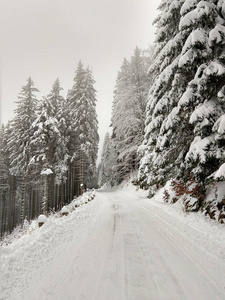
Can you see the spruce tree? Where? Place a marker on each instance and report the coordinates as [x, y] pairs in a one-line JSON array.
[[44, 140], [19, 145], [58, 112], [205, 90], [83, 128], [108, 161], [50, 143], [128, 114], [4, 185], [184, 103]]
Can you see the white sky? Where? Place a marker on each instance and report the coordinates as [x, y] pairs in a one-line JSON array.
[[45, 39]]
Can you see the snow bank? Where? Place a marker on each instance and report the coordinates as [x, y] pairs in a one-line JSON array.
[[26, 258], [207, 230], [29, 250], [196, 222]]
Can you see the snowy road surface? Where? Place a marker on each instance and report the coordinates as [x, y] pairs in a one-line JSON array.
[[118, 247]]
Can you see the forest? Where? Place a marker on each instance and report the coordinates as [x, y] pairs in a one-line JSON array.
[[168, 125], [48, 150]]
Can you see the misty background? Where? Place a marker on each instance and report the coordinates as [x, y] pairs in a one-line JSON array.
[[46, 40]]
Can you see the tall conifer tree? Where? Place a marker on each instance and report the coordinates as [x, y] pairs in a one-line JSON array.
[[19, 145], [128, 114], [185, 99], [108, 162], [83, 128]]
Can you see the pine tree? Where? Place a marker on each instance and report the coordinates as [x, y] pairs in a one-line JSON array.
[[57, 111], [44, 140], [128, 115], [163, 96], [61, 153], [83, 143], [205, 90], [108, 161], [50, 142], [19, 145], [183, 103], [4, 185]]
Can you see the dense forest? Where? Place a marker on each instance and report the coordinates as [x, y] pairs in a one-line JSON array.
[[119, 154], [48, 151], [182, 135], [168, 124]]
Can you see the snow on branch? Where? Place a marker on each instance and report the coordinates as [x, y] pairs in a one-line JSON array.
[[220, 173], [219, 126], [196, 38], [203, 111], [217, 35], [46, 171], [198, 149]]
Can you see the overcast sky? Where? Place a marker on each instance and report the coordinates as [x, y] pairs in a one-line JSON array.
[[45, 39]]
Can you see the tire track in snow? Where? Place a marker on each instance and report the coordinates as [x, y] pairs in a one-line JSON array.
[[194, 254], [147, 266], [128, 252], [180, 273], [112, 284]]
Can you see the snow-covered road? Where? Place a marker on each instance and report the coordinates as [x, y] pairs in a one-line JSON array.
[[118, 247]]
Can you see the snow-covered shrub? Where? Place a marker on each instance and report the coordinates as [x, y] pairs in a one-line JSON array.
[[193, 197], [192, 192], [214, 205]]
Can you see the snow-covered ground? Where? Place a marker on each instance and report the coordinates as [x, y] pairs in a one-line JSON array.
[[119, 246]]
